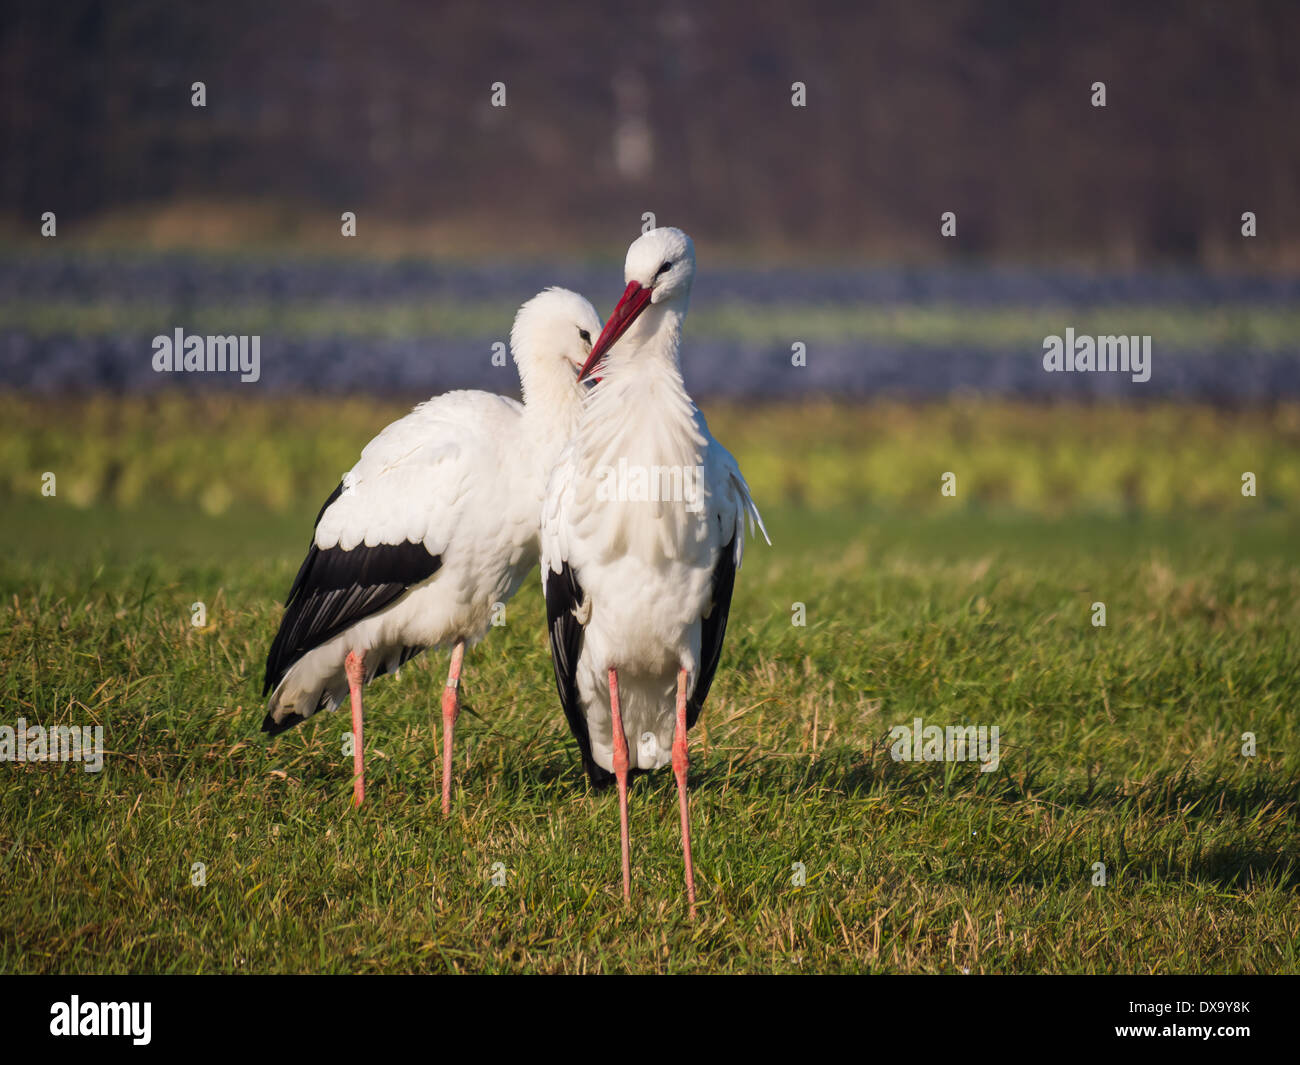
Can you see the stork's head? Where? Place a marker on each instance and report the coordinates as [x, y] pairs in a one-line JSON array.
[[551, 340], [658, 271]]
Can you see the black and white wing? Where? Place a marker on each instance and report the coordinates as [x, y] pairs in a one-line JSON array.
[[385, 529], [729, 507]]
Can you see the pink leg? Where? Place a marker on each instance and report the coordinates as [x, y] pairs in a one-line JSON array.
[[450, 711], [681, 763], [620, 771], [355, 667]]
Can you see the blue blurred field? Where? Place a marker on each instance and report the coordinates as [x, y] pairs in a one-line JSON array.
[[82, 322]]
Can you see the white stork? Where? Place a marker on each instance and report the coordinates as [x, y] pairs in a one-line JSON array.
[[642, 532], [436, 524]]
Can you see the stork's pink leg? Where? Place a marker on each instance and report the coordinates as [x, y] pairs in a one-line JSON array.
[[681, 763], [620, 771], [450, 711], [355, 667]]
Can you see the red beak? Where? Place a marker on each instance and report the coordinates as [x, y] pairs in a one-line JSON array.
[[635, 300]]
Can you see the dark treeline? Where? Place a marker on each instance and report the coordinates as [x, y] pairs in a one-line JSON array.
[[913, 109]]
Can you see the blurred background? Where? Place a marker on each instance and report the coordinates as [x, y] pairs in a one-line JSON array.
[[817, 225]]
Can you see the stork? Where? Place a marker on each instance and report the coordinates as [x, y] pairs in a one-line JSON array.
[[643, 530], [430, 532]]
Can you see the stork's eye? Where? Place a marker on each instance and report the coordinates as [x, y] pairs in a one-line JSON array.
[[664, 269], [586, 337]]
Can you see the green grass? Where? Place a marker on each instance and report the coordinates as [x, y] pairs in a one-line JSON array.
[[285, 455], [1119, 744]]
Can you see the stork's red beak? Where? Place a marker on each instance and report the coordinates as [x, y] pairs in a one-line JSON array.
[[635, 300]]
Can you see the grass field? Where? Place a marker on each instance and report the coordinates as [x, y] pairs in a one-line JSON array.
[[1120, 745]]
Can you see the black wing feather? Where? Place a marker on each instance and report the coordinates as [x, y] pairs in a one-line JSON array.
[[334, 589], [713, 630], [563, 596]]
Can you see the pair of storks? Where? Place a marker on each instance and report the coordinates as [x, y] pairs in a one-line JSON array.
[[449, 508]]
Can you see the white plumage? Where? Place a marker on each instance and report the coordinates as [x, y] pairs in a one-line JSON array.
[[646, 567], [642, 532], [433, 529]]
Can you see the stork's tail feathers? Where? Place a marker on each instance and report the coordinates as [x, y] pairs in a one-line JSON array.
[[297, 697], [316, 683], [755, 518], [750, 510]]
